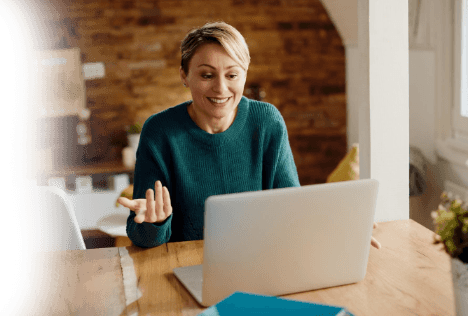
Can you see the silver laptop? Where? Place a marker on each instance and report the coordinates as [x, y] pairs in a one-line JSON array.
[[283, 241]]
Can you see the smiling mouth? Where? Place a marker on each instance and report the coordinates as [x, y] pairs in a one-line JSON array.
[[218, 100]]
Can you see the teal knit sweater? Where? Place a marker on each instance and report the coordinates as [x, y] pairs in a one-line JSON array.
[[253, 154]]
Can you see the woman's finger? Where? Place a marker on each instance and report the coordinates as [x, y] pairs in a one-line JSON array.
[[375, 225], [150, 215], [159, 201], [375, 243], [131, 204], [140, 216], [137, 206], [167, 202]]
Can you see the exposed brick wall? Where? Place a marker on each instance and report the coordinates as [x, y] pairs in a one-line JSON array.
[[298, 64]]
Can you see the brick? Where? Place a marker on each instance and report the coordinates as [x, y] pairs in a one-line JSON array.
[[96, 83], [238, 2], [110, 39], [269, 2], [309, 25], [280, 83], [315, 89], [120, 21], [282, 26], [156, 20]]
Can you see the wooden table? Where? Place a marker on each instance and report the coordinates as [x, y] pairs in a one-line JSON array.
[[408, 276]]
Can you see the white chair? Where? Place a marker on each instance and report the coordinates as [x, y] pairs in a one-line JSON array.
[[58, 227], [115, 224]]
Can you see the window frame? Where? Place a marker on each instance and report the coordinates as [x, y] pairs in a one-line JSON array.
[[451, 145], [460, 80]]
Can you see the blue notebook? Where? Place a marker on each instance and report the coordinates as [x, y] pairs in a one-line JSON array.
[[247, 304]]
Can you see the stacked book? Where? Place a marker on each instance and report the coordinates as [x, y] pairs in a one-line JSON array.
[[247, 304]]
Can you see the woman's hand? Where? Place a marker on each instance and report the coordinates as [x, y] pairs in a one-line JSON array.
[[374, 241], [154, 209]]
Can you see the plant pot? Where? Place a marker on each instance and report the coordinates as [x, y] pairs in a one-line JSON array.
[[128, 157], [460, 286], [133, 140]]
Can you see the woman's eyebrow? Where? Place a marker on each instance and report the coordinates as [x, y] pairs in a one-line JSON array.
[[206, 65]]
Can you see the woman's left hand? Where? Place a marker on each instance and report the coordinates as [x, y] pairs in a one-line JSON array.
[[374, 241]]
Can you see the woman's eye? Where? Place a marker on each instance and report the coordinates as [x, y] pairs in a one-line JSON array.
[[233, 76], [207, 76]]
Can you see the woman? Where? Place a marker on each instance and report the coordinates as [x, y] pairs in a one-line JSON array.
[[218, 143]]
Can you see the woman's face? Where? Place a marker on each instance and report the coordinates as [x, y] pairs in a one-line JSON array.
[[216, 82]]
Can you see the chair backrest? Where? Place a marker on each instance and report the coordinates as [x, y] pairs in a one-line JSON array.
[[58, 227]]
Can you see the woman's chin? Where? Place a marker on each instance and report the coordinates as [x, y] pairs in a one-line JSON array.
[[220, 114], [220, 109]]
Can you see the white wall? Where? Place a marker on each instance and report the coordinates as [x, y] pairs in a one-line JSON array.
[[383, 103], [352, 94], [421, 99]]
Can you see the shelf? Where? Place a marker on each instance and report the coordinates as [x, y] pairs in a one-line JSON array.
[[108, 168]]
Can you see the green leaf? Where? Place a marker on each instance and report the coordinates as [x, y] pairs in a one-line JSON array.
[[134, 128]]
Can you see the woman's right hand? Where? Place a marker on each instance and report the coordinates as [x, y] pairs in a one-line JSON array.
[[154, 209]]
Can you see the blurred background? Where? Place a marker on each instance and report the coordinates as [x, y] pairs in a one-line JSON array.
[[98, 69]]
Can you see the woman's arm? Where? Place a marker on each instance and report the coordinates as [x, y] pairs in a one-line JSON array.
[[281, 171], [286, 171], [153, 228], [155, 209], [148, 235]]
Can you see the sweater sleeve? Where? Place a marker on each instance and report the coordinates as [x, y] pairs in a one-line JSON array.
[[281, 171], [286, 171], [150, 166]]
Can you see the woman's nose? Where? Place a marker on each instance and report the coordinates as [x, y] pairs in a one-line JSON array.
[[220, 85]]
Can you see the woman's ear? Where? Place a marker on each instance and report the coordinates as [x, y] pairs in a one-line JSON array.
[[183, 77]]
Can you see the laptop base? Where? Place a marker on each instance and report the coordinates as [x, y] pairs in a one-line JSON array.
[[192, 278]]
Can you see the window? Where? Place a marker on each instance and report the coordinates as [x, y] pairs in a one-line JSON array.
[[451, 42], [460, 109]]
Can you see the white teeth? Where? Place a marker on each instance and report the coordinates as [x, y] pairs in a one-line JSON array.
[[218, 100]]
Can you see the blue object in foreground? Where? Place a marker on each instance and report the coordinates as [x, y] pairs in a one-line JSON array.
[[247, 304]]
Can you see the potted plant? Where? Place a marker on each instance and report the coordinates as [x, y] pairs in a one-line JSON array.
[[133, 135], [451, 226], [133, 138]]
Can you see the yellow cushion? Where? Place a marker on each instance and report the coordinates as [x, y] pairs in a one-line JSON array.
[[348, 168]]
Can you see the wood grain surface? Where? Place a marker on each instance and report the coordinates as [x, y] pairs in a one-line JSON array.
[[162, 293], [407, 276], [77, 282]]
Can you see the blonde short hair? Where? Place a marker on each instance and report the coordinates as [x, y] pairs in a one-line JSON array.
[[220, 33]]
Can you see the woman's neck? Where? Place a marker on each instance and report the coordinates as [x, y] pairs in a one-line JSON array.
[[211, 125]]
